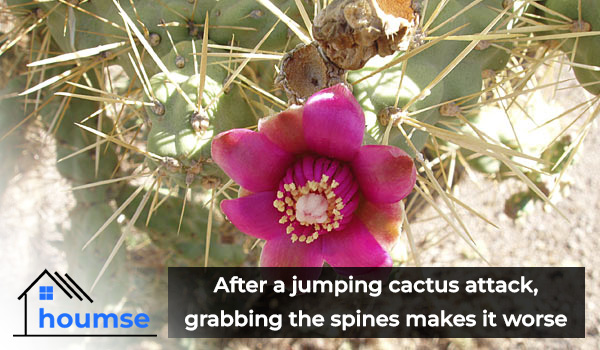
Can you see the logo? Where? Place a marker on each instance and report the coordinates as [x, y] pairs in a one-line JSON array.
[[56, 306]]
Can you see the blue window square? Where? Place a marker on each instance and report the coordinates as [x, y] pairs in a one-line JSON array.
[[46, 293]]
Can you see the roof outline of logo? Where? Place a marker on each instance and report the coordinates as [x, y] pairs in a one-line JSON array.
[[56, 281]]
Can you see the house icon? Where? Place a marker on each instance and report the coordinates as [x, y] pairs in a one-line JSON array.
[[47, 292]]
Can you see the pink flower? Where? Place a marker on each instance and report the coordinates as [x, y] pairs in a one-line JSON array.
[[314, 192]]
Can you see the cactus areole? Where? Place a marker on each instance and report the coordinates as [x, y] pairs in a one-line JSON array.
[[315, 192]]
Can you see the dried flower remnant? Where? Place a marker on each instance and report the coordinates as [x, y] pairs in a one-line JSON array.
[[352, 31], [311, 189], [304, 71]]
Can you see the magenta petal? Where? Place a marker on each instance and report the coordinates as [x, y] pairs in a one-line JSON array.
[[281, 252], [255, 215], [250, 159], [354, 246], [386, 174], [383, 220], [285, 130], [334, 123]]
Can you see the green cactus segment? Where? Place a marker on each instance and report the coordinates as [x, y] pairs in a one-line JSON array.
[[81, 169], [249, 22], [588, 53], [379, 91], [188, 247], [178, 132], [84, 265], [23, 5], [556, 152], [588, 47], [73, 29]]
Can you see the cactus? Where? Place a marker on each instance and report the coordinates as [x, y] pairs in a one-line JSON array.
[[181, 132], [379, 91], [248, 22], [176, 126], [586, 49], [189, 245]]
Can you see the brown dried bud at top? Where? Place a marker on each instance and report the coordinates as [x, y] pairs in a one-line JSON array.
[[304, 71], [352, 31], [200, 121]]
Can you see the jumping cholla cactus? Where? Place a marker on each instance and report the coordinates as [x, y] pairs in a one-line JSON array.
[[135, 92]]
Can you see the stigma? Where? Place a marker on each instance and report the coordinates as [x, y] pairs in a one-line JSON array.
[[315, 197]]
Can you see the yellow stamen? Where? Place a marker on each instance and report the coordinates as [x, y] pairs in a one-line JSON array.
[[294, 238], [302, 238]]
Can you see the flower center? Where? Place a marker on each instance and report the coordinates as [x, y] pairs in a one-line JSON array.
[[312, 209], [316, 196]]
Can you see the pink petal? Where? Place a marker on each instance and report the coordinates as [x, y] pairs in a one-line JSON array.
[[386, 174], [354, 246], [255, 215], [334, 123], [281, 252], [250, 159], [285, 130], [384, 221]]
